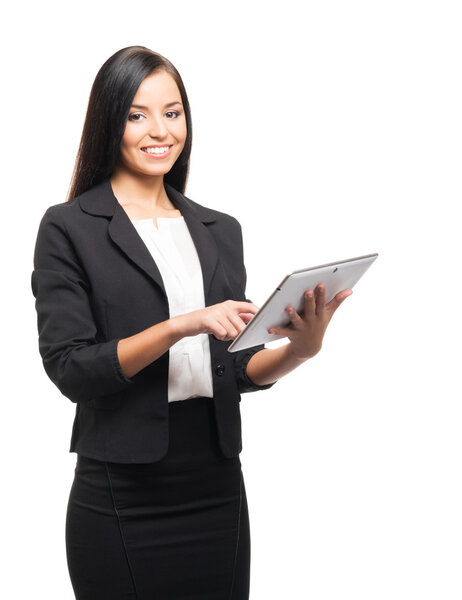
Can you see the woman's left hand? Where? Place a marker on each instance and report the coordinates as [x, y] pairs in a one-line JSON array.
[[306, 332]]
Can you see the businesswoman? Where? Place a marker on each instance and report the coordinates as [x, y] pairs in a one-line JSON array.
[[139, 291]]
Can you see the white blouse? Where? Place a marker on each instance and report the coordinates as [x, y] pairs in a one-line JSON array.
[[173, 250]]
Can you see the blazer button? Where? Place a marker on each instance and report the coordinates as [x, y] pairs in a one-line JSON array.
[[220, 369]]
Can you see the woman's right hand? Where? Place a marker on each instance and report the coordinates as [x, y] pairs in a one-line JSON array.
[[224, 320]]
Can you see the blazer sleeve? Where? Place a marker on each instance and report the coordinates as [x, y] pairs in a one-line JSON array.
[[242, 357], [81, 367]]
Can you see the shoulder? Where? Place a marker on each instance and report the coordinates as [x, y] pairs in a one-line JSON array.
[[59, 213], [76, 213], [62, 226]]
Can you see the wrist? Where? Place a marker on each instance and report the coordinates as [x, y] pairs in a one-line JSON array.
[[180, 327], [176, 328], [296, 358]]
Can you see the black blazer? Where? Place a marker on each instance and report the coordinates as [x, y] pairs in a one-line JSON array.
[[96, 282]]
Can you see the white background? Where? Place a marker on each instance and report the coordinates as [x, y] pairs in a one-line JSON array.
[[329, 129]]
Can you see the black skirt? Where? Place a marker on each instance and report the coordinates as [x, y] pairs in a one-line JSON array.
[[175, 529]]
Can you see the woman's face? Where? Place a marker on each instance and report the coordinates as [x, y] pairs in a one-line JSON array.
[[155, 133]]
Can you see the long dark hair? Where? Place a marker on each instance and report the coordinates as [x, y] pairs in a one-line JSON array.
[[111, 97]]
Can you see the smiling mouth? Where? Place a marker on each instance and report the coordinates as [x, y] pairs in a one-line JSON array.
[[157, 151]]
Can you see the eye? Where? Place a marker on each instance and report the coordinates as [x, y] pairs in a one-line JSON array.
[[173, 112], [133, 116]]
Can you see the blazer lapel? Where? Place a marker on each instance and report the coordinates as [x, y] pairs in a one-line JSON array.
[[101, 201]]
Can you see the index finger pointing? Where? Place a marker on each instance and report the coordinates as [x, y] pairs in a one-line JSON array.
[[247, 307]]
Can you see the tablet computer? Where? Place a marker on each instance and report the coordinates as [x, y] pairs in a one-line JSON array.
[[336, 276]]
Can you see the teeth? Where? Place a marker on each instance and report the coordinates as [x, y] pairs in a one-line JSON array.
[[162, 150]]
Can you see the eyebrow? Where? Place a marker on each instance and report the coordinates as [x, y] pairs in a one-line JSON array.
[[145, 107]]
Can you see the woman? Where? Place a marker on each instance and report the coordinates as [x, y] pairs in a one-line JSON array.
[[139, 291]]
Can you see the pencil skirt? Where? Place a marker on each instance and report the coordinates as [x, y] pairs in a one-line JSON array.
[[174, 529]]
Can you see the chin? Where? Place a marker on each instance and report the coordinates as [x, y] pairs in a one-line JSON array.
[[153, 170]]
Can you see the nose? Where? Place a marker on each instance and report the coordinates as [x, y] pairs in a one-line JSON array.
[[158, 127]]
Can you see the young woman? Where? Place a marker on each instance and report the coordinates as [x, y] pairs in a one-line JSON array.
[[139, 291]]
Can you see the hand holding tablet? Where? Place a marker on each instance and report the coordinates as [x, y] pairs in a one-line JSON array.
[[330, 283], [306, 331]]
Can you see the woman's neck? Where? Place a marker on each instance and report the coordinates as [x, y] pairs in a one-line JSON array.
[[146, 192]]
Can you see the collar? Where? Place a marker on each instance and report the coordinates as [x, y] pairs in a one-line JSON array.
[[101, 201]]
